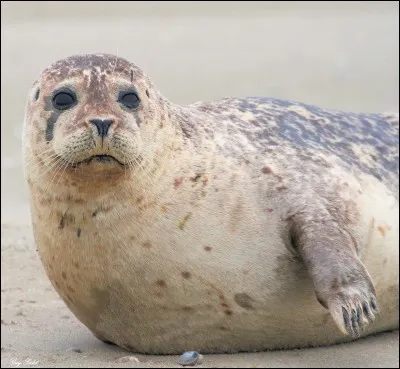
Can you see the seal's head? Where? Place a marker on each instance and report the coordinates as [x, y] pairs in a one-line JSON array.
[[93, 114]]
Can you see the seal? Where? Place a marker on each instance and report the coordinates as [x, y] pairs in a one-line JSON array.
[[242, 224]]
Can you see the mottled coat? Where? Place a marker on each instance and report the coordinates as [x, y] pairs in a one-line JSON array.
[[214, 226]]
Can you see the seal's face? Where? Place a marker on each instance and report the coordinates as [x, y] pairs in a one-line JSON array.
[[92, 113]]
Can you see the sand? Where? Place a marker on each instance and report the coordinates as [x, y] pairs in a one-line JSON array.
[[336, 55]]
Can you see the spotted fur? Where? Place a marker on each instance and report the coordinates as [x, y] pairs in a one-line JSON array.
[[235, 225]]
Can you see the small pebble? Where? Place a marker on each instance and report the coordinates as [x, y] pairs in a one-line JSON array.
[[191, 358], [74, 349], [127, 359]]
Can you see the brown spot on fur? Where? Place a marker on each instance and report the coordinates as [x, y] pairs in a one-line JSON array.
[[207, 248], [335, 284], [223, 329], [161, 283], [147, 245], [195, 178], [79, 201], [182, 223], [224, 305], [178, 182], [281, 188], [65, 219], [78, 232], [76, 265], [139, 199], [187, 308], [270, 210], [384, 229], [266, 170], [70, 289], [158, 294], [164, 209], [385, 260], [63, 275], [62, 222], [205, 181], [228, 312], [186, 275], [244, 300]]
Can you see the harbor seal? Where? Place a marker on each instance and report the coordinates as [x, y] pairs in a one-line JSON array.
[[242, 224]]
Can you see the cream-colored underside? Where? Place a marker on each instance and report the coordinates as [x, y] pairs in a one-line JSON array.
[[204, 272]]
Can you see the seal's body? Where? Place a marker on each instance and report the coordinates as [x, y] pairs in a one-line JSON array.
[[214, 227]]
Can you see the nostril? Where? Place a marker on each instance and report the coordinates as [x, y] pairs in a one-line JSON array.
[[102, 125]]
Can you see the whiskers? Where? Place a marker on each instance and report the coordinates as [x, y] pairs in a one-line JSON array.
[[49, 167]]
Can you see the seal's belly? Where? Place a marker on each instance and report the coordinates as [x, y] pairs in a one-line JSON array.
[[185, 272], [192, 279]]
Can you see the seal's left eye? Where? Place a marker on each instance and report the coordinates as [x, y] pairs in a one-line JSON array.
[[129, 99], [64, 100]]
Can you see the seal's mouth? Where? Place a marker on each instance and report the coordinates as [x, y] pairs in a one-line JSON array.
[[104, 159]]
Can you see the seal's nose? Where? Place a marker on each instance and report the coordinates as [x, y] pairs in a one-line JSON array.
[[102, 125]]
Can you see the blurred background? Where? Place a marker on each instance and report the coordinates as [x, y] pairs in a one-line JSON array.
[[342, 55]]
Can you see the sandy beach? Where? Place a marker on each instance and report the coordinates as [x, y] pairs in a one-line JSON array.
[[336, 55]]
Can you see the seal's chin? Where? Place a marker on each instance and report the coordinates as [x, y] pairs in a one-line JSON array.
[[100, 159]]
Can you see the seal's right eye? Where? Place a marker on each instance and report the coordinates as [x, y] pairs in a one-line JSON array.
[[64, 100]]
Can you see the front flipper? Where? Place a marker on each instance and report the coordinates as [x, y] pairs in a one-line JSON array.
[[341, 281]]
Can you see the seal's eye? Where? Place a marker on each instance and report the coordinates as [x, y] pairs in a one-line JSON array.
[[64, 100], [129, 99]]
